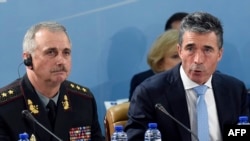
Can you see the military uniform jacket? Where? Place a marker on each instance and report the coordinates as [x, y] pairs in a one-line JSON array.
[[76, 116]]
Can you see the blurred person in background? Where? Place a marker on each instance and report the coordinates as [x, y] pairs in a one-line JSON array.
[[163, 54], [173, 22]]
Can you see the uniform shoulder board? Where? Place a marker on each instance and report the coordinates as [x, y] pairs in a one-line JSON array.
[[78, 88], [9, 92]]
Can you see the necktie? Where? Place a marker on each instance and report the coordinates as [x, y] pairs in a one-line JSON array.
[[51, 106], [202, 115]]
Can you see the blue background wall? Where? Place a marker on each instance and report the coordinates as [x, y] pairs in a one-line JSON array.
[[111, 38]]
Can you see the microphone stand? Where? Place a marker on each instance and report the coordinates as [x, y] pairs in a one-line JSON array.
[[28, 115], [161, 108]]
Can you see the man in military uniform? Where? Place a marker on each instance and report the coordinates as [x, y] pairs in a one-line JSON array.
[[73, 114]]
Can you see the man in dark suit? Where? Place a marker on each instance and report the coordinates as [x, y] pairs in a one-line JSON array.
[[73, 112], [200, 49], [172, 23]]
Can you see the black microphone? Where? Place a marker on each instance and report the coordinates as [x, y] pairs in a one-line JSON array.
[[29, 116], [161, 108]]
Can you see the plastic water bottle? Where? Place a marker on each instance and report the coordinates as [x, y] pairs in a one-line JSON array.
[[243, 120], [119, 134], [152, 133], [23, 137]]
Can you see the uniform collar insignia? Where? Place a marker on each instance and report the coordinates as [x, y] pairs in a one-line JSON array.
[[65, 102], [33, 108]]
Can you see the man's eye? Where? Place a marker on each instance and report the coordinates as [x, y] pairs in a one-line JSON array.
[[189, 48], [51, 52], [208, 50], [67, 52]]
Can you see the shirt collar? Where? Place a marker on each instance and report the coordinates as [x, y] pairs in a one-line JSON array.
[[45, 100]]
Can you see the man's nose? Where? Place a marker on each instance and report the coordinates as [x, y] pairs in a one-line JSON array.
[[60, 59], [199, 57]]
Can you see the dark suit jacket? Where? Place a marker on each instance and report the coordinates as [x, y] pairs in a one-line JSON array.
[[137, 79], [167, 89], [76, 112]]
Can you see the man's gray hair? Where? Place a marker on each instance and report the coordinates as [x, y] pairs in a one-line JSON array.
[[29, 43]]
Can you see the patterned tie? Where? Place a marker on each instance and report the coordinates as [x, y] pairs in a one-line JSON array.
[[51, 106], [202, 115]]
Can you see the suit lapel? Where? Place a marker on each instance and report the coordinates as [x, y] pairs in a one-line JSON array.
[[176, 97], [222, 97]]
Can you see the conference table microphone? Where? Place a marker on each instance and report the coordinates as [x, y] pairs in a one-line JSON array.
[[162, 109], [29, 116]]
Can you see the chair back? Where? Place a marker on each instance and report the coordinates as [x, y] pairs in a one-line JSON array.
[[115, 115]]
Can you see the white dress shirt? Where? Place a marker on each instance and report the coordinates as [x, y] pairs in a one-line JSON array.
[[213, 122]]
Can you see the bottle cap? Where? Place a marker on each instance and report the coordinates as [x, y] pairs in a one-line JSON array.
[[243, 119], [152, 125], [23, 135], [118, 128]]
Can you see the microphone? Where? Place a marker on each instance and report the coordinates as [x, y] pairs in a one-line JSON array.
[[162, 109], [29, 116]]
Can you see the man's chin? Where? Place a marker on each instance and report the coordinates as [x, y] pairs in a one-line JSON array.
[[59, 79], [196, 78]]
